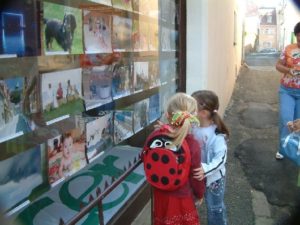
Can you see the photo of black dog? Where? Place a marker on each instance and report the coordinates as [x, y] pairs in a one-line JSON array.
[[61, 31]]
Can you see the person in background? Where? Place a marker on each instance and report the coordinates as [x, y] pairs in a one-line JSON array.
[[289, 90]]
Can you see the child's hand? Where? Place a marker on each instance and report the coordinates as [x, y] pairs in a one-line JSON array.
[[158, 125], [198, 173], [198, 202]]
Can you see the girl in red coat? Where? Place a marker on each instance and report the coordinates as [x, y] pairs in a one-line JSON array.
[[175, 206]]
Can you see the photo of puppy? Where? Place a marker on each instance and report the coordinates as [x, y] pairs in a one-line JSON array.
[[62, 32]]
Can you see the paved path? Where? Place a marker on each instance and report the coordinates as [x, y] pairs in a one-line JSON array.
[[260, 190]]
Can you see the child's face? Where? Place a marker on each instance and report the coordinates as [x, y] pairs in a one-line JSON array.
[[203, 115], [67, 146]]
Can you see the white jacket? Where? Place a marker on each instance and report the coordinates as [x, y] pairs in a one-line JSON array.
[[213, 152]]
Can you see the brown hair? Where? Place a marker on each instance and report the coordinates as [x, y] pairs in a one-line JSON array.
[[185, 103], [208, 100]]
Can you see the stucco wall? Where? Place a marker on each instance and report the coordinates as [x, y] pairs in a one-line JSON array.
[[213, 61]]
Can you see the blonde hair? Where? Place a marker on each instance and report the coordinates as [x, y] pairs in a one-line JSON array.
[[184, 103]]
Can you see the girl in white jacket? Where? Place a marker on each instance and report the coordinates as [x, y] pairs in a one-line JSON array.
[[212, 136]]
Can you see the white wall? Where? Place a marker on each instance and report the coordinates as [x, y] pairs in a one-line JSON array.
[[212, 60]]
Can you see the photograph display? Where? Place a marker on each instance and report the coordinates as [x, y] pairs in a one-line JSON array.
[[104, 2], [146, 7], [123, 124], [122, 4], [168, 11], [97, 86], [140, 34], [141, 76], [20, 175], [19, 34], [99, 135], [153, 36], [165, 39], [62, 29], [140, 115], [154, 108], [61, 93], [122, 32], [168, 70], [66, 154], [97, 32], [166, 92], [122, 80], [12, 120], [154, 79]]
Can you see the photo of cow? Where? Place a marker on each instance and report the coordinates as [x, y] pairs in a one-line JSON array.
[[140, 115], [13, 122], [122, 4], [122, 30], [97, 86], [97, 32], [61, 93], [62, 30], [19, 33], [141, 76], [99, 135]]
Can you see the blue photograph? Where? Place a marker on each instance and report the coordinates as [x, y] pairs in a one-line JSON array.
[[19, 29], [19, 175], [154, 108]]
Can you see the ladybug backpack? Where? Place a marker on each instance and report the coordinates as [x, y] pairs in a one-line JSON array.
[[167, 167]]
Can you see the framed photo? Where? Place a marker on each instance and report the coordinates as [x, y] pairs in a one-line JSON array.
[[168, 70], [122, 33], [62, 29], [99, 135], [66, 153], [122, 4], [104, 2], [97, 32], [19, 33], [122, 80], [61, 93], [97, 86], [154, 79], [123, 124], [153, 36], [140, 116], [141, 76], [140, 35], [154, 108], [20, 177], [13, 122], [165, 39]]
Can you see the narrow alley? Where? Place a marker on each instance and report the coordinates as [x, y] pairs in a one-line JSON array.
[[265, 185], [260, 189]]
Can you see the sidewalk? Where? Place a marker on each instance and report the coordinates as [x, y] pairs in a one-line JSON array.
[[257, 192]]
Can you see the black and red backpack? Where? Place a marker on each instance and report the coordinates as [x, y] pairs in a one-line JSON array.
[[166, 167]]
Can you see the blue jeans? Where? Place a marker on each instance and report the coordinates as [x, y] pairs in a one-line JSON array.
[[289, 109], [214, 198]]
